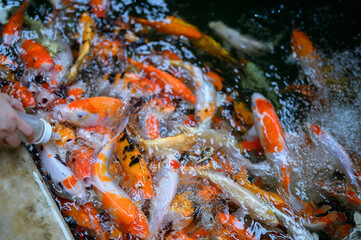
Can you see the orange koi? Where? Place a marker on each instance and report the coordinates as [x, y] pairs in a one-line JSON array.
[[152, 127], [18, 91], [232, 228], [216, 80], [302, 45], [76, 91], [11, 30], [178, 236], [114, 199], [173, 26], [303, 48], [106, 49], [84, 215], [134, 166], [182, 210], [174, 84], [99, 7], [80, 162], [67, 136], [35, 56], [91, 112]]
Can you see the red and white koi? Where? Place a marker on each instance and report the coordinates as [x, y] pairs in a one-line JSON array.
[[270, 132], [328, 142], [63, 180], [165, 188]]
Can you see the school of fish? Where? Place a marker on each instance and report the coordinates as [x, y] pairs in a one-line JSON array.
[[148, 148]]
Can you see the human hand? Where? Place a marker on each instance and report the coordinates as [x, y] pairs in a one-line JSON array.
[[10, 122]]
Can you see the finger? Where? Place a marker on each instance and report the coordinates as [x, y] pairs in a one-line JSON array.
[[12, 140], [25, 128], [17, 104]]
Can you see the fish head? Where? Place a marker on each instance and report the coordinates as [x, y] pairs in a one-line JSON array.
[[77, 116]]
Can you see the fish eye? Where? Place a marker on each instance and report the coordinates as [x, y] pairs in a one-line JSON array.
[[80, 115]]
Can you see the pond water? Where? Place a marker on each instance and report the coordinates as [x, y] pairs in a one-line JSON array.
[[319, 176]]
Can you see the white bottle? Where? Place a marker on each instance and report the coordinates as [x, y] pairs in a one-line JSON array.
[[42, 129]]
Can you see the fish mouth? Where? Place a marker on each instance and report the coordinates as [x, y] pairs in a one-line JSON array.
[[256, 96]]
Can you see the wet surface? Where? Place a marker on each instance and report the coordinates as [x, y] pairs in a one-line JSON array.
[[27, 210]]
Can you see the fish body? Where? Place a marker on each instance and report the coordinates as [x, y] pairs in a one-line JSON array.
[[232, 228], [306, 54], [20, 92], [329, 142], [241, 196], [84, 215], [238, 41], [172, 25], [63, 180], [11, 30], [166, 80], [205, 105], [114, 199], [165, 188], [134, 166], [91, 112]]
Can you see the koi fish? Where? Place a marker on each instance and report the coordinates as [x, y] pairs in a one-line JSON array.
[[232, 228], [239, 41], [95, 137], [219, 140], [270, 197], [244, 198], [172, 25], [127, 84], [64, 182], [328, 142], [293, 227], [212, 47], [91, 112], [20, 92], [12, 29], [307, 56], [67, 137], [165, 188], [166, 80], [7, 67], [163, 146], [179, 235], [76, 91], [114, 199], [35, 56], [84, 215], [99, 7], [270, 132], [134, 166], [181, 210], [80, 163], [87, 28], [205, 105]]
